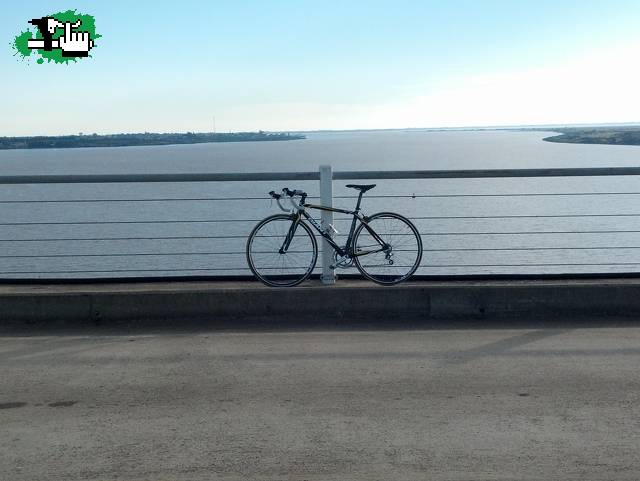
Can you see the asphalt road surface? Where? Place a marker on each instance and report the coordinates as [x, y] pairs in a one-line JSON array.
[[324, 403]]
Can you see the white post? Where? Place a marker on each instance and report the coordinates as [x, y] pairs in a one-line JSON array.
[[326, 198]]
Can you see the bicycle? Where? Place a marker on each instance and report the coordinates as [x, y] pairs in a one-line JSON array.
[[282, 249]]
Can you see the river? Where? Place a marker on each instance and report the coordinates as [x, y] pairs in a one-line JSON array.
[[479, 234]]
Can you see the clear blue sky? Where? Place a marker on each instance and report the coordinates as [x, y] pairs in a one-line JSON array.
[[298, 65]]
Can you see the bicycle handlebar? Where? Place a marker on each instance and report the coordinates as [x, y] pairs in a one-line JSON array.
[[291, 194]]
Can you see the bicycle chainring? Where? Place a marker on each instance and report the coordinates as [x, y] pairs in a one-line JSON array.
[[342, 262]]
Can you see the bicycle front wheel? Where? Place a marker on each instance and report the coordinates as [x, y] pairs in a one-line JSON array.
[[264, 251], [403, 255]]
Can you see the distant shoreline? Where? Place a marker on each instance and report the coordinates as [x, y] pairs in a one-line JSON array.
[[597, 135], [133, 140], [605, 134]]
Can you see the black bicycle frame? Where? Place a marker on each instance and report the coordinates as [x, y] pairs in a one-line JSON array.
[[348, 249]]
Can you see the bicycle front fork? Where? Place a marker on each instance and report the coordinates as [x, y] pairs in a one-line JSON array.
[[289, 238]]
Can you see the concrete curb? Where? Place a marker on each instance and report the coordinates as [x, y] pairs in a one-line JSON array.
[[207, 300]]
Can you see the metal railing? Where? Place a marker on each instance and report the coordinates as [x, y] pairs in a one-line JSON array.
[[472, 221]]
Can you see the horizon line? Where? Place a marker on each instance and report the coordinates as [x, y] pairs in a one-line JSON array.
[[389, 129]]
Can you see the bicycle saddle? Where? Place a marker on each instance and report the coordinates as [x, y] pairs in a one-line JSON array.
[[361, 188]]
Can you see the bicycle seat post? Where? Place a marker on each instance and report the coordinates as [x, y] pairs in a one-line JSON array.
[[359, 200], [362, 189]]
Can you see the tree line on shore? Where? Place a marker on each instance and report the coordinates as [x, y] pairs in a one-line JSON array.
[[147, 138]]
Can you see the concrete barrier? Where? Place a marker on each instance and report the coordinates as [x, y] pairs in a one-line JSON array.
[[215, 300]]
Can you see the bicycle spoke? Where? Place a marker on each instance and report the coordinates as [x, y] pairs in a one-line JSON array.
[[265, 259], [403, 256]]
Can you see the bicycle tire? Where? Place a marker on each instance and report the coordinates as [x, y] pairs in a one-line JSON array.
[[271, 274], [396, 272]]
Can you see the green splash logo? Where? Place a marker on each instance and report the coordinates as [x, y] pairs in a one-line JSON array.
[[60, 37]]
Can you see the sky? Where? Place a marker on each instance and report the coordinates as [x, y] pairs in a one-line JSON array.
[[302, 65]]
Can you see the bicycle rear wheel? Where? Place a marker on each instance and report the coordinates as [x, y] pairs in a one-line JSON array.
[[402, 258], [263, 251]]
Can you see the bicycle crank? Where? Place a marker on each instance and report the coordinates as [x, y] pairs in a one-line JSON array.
[[341, 262]]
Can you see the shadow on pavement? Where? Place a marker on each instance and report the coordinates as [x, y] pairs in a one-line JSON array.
[[159, 326]]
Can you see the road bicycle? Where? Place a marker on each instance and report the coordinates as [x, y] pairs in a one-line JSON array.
[[282, 249]]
